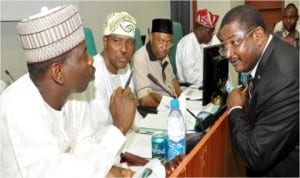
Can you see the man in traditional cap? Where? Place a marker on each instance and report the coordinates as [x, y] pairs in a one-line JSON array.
[[189, 53], [153, 59], [112, 67], [47, 130]]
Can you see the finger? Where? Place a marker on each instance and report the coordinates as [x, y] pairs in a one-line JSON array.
[[246, 90], [127, 91], [112, 98], [119, 91]]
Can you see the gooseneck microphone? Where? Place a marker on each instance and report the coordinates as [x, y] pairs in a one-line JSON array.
[[7, 73], [156, 82]]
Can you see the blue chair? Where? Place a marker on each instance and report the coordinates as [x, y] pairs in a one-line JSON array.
[[177, 35], [137, 39], [90, 43]]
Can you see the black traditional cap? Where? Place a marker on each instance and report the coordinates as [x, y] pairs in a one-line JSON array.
[[162, 26]]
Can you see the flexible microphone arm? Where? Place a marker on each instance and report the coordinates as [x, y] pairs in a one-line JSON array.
[[156, 82]]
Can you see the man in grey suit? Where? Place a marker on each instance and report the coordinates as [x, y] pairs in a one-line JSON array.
[[265, 125]]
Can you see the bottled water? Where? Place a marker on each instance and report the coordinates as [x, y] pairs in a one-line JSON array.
[[176, 131]]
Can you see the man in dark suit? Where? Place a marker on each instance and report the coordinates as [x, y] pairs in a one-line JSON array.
[[265, 124]]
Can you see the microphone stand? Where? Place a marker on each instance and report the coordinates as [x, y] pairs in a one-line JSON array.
[[156, 82]]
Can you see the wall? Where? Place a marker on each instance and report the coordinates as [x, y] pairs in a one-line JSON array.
[[219, 7], [12, 55], [95, 12], [92, 12], [296, 2]]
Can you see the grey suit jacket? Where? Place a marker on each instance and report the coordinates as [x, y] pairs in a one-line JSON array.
[[268, 137]]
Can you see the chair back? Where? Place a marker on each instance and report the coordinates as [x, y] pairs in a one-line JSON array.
[[177, 35], [89, 40], [137, 39]]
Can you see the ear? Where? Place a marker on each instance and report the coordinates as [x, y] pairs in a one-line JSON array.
[[105, 41], [57, 73], [260, 36], [150, 37]]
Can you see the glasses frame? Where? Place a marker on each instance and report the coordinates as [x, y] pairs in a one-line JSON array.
[[236, 43]]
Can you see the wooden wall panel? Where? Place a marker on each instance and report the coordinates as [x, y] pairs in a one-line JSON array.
[[270, 10]]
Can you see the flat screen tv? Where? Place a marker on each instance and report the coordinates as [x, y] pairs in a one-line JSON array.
[[215, 74]]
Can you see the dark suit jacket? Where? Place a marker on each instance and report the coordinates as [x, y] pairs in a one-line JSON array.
[[268, 137]]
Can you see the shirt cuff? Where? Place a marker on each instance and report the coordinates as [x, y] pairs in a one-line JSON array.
[[114, 133], [234, 107]]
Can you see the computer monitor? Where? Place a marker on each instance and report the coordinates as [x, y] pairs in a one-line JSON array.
[[215, 74]]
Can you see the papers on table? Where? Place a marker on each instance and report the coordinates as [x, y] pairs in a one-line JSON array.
[[138, 144], [139, 141]]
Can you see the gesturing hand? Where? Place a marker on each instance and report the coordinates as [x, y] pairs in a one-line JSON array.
[[122, 108]]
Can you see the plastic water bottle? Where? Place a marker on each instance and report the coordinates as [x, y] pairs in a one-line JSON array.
[[176, 131]]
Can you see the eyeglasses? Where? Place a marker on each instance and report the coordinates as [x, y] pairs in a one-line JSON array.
[[235, 44]]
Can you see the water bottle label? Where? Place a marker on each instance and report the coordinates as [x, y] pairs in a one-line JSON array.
[[175, 149]]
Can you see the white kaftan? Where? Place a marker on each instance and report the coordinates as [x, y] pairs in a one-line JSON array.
[[38, 141], [100, 91], [189, 59]]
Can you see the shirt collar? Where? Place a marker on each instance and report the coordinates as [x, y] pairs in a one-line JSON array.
[[253, 71], [150, 52]]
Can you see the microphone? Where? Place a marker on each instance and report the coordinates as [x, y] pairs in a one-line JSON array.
[[156, 82], [11, 77]]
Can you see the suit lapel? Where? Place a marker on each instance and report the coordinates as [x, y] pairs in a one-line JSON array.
[[260, 73]]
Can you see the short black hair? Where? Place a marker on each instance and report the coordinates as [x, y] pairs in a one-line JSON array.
[[291, 6], [247, 16], [39, 69]]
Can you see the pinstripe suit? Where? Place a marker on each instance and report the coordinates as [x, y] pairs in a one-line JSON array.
[[268, 138]]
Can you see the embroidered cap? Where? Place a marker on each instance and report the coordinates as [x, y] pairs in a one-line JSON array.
[[162, 26], [119, 23], [50, 33], [206, 18]]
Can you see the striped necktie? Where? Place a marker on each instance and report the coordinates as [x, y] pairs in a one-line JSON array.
[[250, 85]]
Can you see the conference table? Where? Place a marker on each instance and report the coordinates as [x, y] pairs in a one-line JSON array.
[[213, 155]]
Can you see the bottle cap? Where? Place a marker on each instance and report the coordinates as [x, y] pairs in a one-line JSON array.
[[174, 104]]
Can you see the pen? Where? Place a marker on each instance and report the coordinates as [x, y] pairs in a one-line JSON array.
[[128, 80]]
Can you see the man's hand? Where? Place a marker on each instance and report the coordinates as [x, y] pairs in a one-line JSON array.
[[173, 164], [122, 108], [238, 98]]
